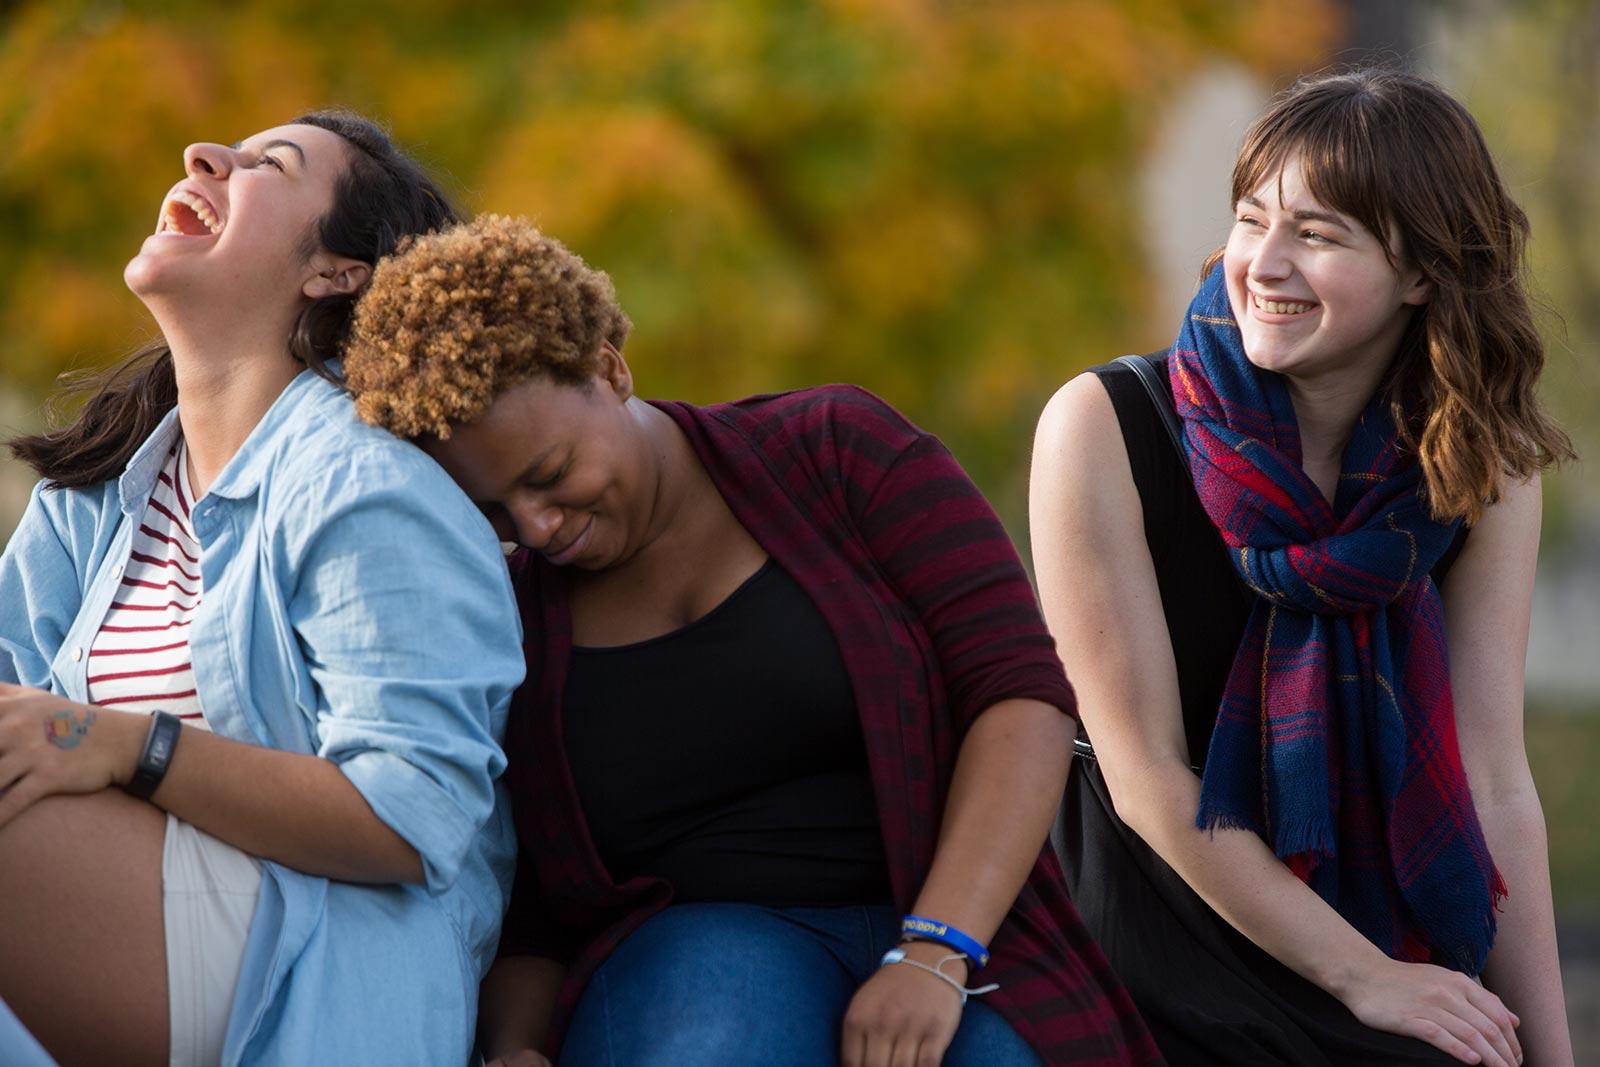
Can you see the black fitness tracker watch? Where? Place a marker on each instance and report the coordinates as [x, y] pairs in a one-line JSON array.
[[159, 744]]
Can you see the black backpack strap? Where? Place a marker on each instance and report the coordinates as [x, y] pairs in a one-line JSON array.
[[1150, 378]]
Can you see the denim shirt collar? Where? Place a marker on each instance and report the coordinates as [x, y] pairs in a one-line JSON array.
[[243, 473], [138, 478]]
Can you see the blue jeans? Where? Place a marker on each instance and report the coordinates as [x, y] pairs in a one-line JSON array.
[[743, 985]]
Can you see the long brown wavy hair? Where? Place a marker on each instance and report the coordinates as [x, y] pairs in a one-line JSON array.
[[1403, 157], [382, 196]]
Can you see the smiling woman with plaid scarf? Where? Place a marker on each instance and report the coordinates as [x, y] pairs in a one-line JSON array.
[[1299, 675]]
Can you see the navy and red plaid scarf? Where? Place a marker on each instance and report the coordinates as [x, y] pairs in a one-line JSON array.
[[1336, 739]]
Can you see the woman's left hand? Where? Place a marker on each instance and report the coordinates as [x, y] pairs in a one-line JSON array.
[[50, 745], [903, 1016]]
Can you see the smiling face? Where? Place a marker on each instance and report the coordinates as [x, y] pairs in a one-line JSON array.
[[1313, 290], [237, 232], [558, 468]]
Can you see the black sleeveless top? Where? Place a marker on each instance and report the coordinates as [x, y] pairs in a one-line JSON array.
[[1207, 993]]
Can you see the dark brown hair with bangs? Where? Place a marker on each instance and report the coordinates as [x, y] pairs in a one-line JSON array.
[[1400, 155]]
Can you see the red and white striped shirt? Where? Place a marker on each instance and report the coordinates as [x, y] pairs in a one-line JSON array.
[[139, 660]]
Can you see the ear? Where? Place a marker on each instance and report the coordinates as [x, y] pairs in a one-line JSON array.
[[1417, 289], [614, 371], [335, 276]]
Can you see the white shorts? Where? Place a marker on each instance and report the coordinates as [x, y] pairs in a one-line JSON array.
[[208, 897]]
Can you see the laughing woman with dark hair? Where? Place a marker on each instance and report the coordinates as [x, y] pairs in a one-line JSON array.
[[288, 639], [1298, 637]]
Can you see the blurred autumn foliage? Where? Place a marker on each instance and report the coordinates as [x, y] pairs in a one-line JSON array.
[[936, 200]]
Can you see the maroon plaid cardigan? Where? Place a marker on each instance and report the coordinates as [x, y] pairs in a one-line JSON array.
[[936, 622]]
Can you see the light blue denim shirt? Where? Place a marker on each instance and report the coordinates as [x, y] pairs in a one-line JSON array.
[[356, 606]]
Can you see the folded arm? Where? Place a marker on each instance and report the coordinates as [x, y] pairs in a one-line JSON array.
[[398, 601], [297, 810]]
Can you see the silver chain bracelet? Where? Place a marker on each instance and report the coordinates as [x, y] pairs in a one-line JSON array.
[[898, 955]]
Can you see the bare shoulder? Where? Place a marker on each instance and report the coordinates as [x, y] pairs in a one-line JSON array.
[[1098, 588], [1080, 464], [1502, 546], [1079, 414], [1517, 513]]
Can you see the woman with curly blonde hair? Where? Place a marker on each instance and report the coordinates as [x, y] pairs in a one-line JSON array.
[[1299, 636], [791, 701]]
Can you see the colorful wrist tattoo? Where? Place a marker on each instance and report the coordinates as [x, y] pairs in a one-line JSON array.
[[63, 730]]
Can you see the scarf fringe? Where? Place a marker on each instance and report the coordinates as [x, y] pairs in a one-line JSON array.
[[1311, 840], [1470, 954], [1212, 820], [1302, 845]]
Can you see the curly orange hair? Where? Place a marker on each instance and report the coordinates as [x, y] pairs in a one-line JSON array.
[[454, 319]]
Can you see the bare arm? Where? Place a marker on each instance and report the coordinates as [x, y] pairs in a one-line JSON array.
[[1098, 588], [235, 792], [1488, 600], [1009, 776], [1010, 772], [515, 1004], [1006, 700]]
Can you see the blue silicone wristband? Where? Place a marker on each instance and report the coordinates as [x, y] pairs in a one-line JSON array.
[[922, 929]]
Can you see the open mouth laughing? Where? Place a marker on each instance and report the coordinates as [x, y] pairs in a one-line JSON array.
[[186, 213]]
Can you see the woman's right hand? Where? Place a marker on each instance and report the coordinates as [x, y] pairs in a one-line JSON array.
[[50, 745], [521, 1058], [1442, 1007]]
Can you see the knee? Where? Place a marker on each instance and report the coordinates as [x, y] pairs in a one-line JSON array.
[[712, 1033], [711, 1022], [711, 984], [698, 944]]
